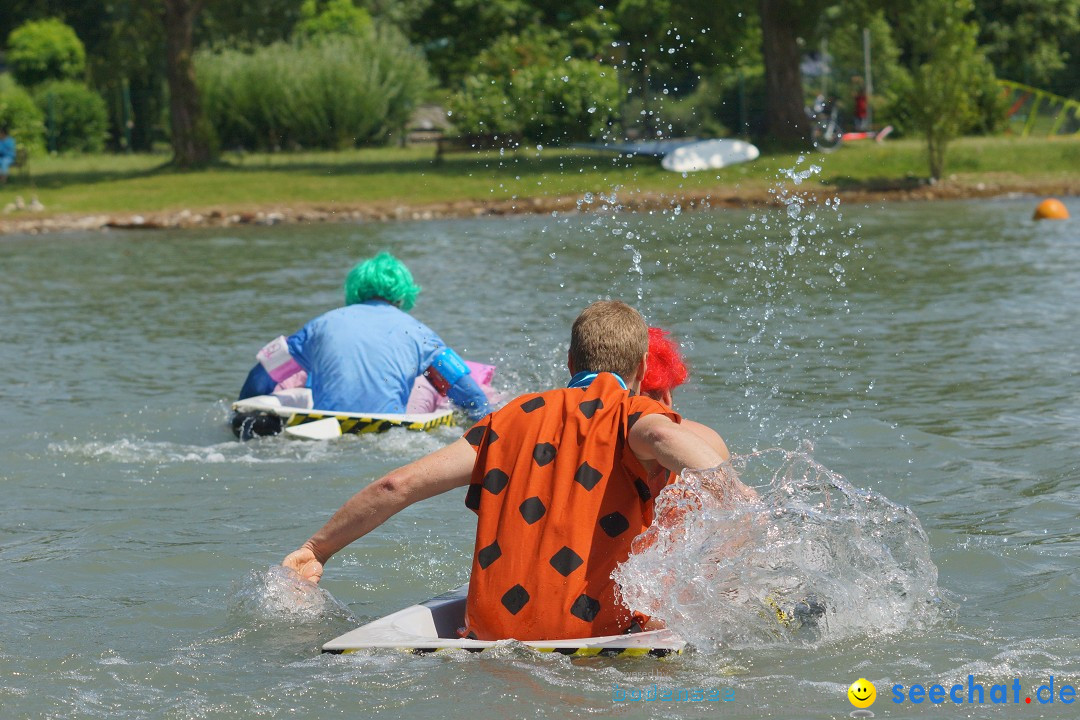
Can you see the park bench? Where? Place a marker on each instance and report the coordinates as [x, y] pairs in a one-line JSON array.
[[474, 143]]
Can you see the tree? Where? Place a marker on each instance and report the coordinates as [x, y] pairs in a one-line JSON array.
[[783, 23], [45, 50], [1028, 40], [948, 74], [453, 32], [192, 140]]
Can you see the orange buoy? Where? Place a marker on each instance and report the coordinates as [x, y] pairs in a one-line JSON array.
[[1051, 209]]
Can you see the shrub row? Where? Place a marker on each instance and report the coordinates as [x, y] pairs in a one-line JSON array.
[[336, 92]]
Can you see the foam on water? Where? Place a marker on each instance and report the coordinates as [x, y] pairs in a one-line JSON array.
[[268, 450], [812, 560], [279, 594], [141, 450]]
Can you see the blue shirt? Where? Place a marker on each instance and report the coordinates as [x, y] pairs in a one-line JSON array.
[[364, 357], [7, 151]]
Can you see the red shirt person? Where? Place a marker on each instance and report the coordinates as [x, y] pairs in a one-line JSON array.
[[559, 483]]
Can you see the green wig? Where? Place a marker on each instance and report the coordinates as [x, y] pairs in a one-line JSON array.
[[383, 276]]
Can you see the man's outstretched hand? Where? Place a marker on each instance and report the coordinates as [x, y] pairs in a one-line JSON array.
[[306, 565]]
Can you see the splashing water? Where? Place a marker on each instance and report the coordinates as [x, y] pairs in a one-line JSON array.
[[636, 268], [813, 560], [774, 294], [279, 594]]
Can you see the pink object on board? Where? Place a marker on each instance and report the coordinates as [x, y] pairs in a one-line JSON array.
[[480, 372], [426, 399]]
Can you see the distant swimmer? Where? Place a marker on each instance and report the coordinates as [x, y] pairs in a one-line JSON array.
[[558, 482], [365, 356]]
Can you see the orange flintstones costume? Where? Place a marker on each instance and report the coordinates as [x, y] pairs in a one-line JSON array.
[[559, 498]]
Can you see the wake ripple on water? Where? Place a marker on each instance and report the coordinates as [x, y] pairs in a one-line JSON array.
[[813, 560]]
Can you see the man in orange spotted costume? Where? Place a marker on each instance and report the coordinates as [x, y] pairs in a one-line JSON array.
[[559, 485]]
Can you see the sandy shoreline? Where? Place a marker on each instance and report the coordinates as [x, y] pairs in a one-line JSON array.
[[27, 222]]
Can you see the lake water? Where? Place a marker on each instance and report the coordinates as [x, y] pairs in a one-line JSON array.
[[915, 356]]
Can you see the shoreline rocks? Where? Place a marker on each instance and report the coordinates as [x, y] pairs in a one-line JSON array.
[[901, 191]]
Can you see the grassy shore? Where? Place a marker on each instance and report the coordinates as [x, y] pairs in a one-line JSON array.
[[102, 185]]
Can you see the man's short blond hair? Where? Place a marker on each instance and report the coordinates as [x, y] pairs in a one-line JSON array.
[[609, 336]]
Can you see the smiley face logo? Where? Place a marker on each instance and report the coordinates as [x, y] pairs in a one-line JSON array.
[[862, 693]]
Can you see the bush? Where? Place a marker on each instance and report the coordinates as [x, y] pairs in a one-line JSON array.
[[337, 92], [483, 107], [566, 101], [19, 113], [552, 101], [45, 50], [76, 118]]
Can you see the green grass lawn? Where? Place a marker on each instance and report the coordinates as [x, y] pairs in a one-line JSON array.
[[106, 184]]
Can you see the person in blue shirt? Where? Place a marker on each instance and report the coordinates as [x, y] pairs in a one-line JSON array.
[[365, 356], [7, 154]]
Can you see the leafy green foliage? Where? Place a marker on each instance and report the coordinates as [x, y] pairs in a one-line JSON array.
[[75, 116], [529, 85], [535, 46], [45, 50], [483, 106], [321, 18], [1029, 40], [454, 32], [19, 113], [563, 102], [339, 92]]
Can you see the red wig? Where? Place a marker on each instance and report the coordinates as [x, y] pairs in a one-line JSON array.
[[666, 370]]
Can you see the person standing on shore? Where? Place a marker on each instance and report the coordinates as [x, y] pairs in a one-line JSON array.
[[861, 110]]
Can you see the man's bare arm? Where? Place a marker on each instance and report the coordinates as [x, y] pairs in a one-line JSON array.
[[431, 475], [656, 437], [710, 436]]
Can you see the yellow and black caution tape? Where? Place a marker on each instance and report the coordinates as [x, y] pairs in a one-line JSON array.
[[359, 425], [569, 652]]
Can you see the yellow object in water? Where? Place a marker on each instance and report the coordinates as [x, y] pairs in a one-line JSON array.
[[1051, 209]]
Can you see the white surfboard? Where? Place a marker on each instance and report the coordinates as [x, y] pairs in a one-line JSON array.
[[324, 429], [433, 625], [709, 155]]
